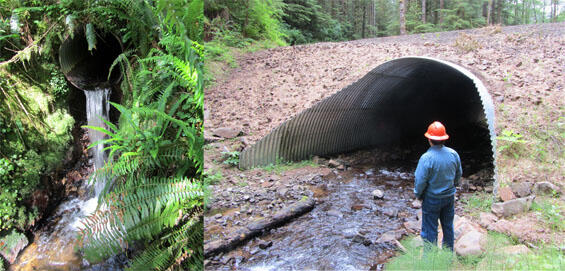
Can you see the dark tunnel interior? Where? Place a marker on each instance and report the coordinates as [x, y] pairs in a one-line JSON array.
[[89, 69], [390, 107]]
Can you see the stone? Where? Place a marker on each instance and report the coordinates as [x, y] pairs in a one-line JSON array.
[[341, 167], [546, 188], [412, 226], [390, 212], [12, 244], [334, 212], [378, 194], [333, 163], [350, 233], [361, 239], [390, 236], [416, 204], [471, 243], [227, 132], [487, 219], [512, 207], [265, 244], [522, 189], [515, 250], [506, 194]]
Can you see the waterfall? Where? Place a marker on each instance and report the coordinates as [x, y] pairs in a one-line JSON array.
[[97, 110], [54, 246]]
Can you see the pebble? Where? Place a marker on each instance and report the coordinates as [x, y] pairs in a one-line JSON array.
[[377, 194]]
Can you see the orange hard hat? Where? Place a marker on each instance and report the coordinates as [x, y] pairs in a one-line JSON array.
[[436, 131]]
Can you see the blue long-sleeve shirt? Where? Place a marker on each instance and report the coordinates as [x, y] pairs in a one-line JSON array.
[[437, 173]]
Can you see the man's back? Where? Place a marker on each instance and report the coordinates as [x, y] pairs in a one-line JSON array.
[[438, 172]]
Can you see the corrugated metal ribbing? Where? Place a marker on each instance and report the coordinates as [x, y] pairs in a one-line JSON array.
[[358, 116]]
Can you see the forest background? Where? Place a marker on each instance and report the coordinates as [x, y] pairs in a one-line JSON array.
[[235, 26]]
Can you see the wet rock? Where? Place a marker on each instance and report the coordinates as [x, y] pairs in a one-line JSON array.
[[512, 207], [226, 259], [378, 194], [12, 244], [506, 194], [350, 233], [522, 189], [334, 212], [218, 216], [390, 212], [542, 188], [361, 239], [416, 204], [264, 244], [227, 132]]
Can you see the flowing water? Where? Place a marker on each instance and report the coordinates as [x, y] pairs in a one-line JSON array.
[[331, 236], [55, 244]]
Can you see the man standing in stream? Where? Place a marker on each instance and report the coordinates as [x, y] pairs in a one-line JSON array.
[[437, 174]]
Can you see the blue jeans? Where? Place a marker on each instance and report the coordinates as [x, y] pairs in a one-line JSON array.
[[432, 209]]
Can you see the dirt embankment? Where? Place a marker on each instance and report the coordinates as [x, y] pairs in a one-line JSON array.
[[521, 66]]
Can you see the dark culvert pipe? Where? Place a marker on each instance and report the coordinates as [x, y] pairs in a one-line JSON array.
[[390, 106], [86, 69]]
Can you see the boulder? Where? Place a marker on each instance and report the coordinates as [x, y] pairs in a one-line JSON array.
[[512, 207], [522, 189], [471, 243], [227, 132], [487, 219], [546, 188], [506, 194], [378, 194], [12, 244]]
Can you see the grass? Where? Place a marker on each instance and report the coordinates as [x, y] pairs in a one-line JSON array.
[[545, 258], [281, 167], [550, 211], [477, 203]]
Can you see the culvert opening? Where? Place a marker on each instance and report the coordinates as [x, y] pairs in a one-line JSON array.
[[391, 107], [88, 69]]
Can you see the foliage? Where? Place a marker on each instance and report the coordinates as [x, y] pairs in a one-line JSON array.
[[510, 143], [551, 212], [281, 166], [477, 202], [414, 258], [159, 135], [231, 158]]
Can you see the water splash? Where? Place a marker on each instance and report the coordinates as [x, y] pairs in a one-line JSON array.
[[97, 110]]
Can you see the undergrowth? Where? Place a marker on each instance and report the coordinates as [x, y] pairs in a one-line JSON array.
[[545, 258], [281, 167], [477, 203]]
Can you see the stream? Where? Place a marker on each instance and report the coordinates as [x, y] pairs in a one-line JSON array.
[[55, 246], [340, 232]]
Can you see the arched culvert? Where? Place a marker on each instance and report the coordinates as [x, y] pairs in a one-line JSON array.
[[88, 69], [390, 106]]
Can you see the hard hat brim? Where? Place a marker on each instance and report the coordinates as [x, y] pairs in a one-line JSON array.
[[432, 137]]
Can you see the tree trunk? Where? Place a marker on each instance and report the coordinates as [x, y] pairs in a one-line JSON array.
[[489, 13], [402, 19], [440, 12], [423, 11], [363, 25], [499, 8]]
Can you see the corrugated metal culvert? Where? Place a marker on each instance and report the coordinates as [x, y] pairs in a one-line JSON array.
[[392, 105], [86, 69]]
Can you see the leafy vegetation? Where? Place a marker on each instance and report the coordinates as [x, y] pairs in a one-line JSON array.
[[551, 212], [478, 202], [155, 153], [231, 158]]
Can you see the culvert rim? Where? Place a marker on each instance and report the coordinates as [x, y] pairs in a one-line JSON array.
[[71, 54], [268, 149]]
